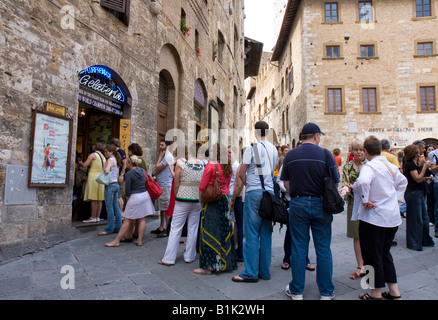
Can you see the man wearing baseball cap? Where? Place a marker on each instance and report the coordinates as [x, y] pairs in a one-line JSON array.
[[303, 175]]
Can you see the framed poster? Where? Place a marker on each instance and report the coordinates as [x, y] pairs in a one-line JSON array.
[[50, 150]]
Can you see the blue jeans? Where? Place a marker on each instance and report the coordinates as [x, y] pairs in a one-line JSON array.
[[307, 214], [417, 221], [238, 214], [435, 194], [112, 208], [257, 239]]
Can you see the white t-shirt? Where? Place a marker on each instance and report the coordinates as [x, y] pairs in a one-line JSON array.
[[268, 159], [433, 156], [164, 178]]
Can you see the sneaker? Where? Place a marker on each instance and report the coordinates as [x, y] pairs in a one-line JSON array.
[[328, 297], [89, 220], [291, 295]]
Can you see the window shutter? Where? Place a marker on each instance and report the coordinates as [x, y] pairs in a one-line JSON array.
[[117, 5]]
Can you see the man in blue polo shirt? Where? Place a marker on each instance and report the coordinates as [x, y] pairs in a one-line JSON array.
[[303, 175]]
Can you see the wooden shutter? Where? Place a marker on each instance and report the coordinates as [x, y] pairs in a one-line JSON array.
[[117, 5]]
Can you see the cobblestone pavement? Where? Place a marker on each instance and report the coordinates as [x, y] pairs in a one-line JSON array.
[[132, 273]]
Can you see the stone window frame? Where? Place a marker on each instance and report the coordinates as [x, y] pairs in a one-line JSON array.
[[377, 97], [326, 100], [424, 85], [367, 43], [323, 3], [434, 50], [333, 44], [373, 6], [414, 11]]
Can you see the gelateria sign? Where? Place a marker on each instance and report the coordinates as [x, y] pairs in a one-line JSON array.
[[102, 88]]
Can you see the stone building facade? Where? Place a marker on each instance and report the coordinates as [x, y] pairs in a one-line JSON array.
[[168, 76], [355, 68]]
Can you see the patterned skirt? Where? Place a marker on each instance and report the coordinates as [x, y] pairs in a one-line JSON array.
[[217, 251]]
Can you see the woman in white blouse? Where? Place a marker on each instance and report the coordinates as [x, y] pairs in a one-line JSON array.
[[377, 192]]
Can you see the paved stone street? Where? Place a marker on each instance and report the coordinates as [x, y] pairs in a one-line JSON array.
[[131, 272]]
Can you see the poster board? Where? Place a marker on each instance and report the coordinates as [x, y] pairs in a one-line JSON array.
[[50, 150]]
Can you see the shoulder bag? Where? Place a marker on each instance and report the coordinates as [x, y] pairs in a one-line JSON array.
[[103, 178], [271, 206], [152, 187], [332, 201], [213, 191]]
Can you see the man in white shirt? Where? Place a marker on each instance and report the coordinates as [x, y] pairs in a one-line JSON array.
[[377, 191], [164, 163], [257, 242]]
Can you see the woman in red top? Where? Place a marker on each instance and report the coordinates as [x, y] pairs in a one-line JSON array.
[[217, 251]]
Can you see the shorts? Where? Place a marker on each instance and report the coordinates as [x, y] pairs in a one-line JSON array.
[[164, 199]]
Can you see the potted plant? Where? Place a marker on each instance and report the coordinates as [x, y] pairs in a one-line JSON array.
[[184, 28], [198, 50]]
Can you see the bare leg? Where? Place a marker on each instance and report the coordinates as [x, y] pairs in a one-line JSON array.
[[141, 230], [123, 230]]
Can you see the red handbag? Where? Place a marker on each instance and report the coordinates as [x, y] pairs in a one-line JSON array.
[[213, 191], [152, 187]]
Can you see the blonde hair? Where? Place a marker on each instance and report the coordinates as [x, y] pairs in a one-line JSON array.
[[135, 161], [357, 144]]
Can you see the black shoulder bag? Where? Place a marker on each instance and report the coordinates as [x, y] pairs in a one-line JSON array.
[[333, 202], [271, 206]]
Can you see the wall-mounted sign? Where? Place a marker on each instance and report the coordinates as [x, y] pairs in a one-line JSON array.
[[50, 150], [102, 88], [125, 133], [51, 107]]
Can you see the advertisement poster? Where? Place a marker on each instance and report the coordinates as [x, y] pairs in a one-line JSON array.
[[50, 155]]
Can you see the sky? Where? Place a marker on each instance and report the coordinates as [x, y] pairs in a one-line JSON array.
[[259, 22]]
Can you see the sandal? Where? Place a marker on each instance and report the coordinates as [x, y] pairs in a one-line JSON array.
[[309, 267], [165, 264], [125, 239], [285, 266], [367, 296], [242, 279], [355, 276], [388, 296], [112, 244], [104, 233], [201, 271], [138, 243]]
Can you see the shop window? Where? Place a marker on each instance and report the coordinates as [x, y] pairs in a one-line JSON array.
[[118, 8]]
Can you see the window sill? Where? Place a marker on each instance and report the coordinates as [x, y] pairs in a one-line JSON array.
[[340, 58], [370, 113], [367, 58], [339, 22], [335, 113], [430, 111], [365, 21], [425, 55], [423, 18]]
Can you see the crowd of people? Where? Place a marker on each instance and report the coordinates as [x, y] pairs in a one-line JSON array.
[[378, 187]]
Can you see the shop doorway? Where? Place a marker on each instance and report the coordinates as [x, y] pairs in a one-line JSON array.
[[93, 126], [103, 98]]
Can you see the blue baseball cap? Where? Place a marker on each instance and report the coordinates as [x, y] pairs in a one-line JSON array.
[[311, 128]]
